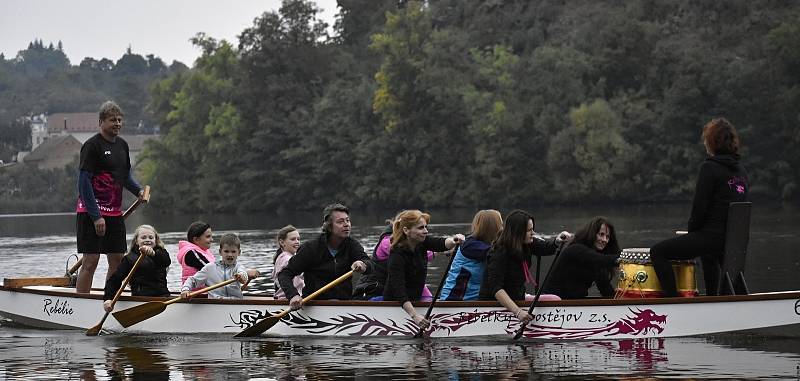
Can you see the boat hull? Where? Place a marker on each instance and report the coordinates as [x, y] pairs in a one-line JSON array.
[[62, 308]]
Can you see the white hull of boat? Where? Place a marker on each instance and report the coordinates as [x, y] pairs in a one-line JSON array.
[[62, 308]]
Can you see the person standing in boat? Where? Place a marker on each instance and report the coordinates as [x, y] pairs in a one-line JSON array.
[[722, 180], [589, 259], [150, 278], [509, 261], [288, 242], [324, 259], [408, 260], [105, 168], [469, 266]]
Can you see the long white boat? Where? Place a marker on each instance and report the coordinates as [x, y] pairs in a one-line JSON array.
[[589, 319]]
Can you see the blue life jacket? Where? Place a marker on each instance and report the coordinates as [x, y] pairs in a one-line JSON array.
[[467, 271]]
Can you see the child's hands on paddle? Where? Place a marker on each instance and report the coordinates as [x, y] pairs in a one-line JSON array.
[[147, 250], [240, 277], [185, 295]]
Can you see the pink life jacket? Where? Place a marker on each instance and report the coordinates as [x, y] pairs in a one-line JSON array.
[[183, 248]]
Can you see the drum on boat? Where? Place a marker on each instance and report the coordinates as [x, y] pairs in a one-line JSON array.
[[638, 279]]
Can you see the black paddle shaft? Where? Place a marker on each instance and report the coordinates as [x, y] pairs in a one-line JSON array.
[[441, 285], [521, 329]]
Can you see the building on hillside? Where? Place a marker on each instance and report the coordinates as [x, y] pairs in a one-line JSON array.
[[54, 152], [80, 126], [38, 129]]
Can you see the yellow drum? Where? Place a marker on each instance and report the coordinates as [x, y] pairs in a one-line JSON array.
[[637, 277]]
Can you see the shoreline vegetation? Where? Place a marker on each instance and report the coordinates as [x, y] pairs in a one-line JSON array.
[[432, 104]]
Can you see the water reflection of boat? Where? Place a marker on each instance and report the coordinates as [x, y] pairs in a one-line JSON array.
[[55, 307], [68, 355]]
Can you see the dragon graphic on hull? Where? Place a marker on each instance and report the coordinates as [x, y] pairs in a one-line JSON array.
[[641, 323], [637, 323]]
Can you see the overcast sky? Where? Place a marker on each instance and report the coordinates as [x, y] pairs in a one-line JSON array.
[[98, 29]]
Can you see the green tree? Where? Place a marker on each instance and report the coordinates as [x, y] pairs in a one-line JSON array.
[[592, 161]]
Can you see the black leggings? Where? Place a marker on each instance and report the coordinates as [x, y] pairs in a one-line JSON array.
[[706, 245]]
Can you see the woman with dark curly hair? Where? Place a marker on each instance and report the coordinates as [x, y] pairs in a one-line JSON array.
[[721, 181], [588, 260]]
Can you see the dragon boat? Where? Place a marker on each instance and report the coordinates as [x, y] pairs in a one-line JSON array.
[[56, 307]]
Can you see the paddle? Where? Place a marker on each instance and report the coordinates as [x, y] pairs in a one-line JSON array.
[[133, 315], [267, 323], [521, 329], [439, 289], [93, 331], [145, 198]]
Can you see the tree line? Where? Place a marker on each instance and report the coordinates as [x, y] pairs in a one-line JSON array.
[[479, 103], [445, 103]]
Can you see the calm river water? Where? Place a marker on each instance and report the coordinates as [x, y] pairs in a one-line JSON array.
[[40, 245]]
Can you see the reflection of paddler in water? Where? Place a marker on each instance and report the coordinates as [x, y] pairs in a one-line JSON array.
[[511, 362], [286, 359], [133, 363]]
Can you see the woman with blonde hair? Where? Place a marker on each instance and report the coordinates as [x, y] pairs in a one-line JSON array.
[[150, 278], [469, 265], [408, 260]]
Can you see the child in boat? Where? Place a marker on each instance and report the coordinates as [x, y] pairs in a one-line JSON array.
[[288, 242], [150, 277], [217, 272], [195, 252]]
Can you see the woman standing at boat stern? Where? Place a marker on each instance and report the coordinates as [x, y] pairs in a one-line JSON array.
[[408, 260], [722, 180]]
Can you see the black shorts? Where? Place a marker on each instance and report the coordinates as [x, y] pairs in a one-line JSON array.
[[111, 243]]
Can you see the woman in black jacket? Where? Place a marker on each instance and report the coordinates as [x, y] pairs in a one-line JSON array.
[[588, 259], [722, 180], [509, 261], [408, 260]]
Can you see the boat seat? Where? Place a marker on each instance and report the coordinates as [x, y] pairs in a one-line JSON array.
[[737, 238]]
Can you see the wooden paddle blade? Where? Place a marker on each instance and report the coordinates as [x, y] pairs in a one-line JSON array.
[[133, 315], [260, 327], [94, 331], [267, 323]]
